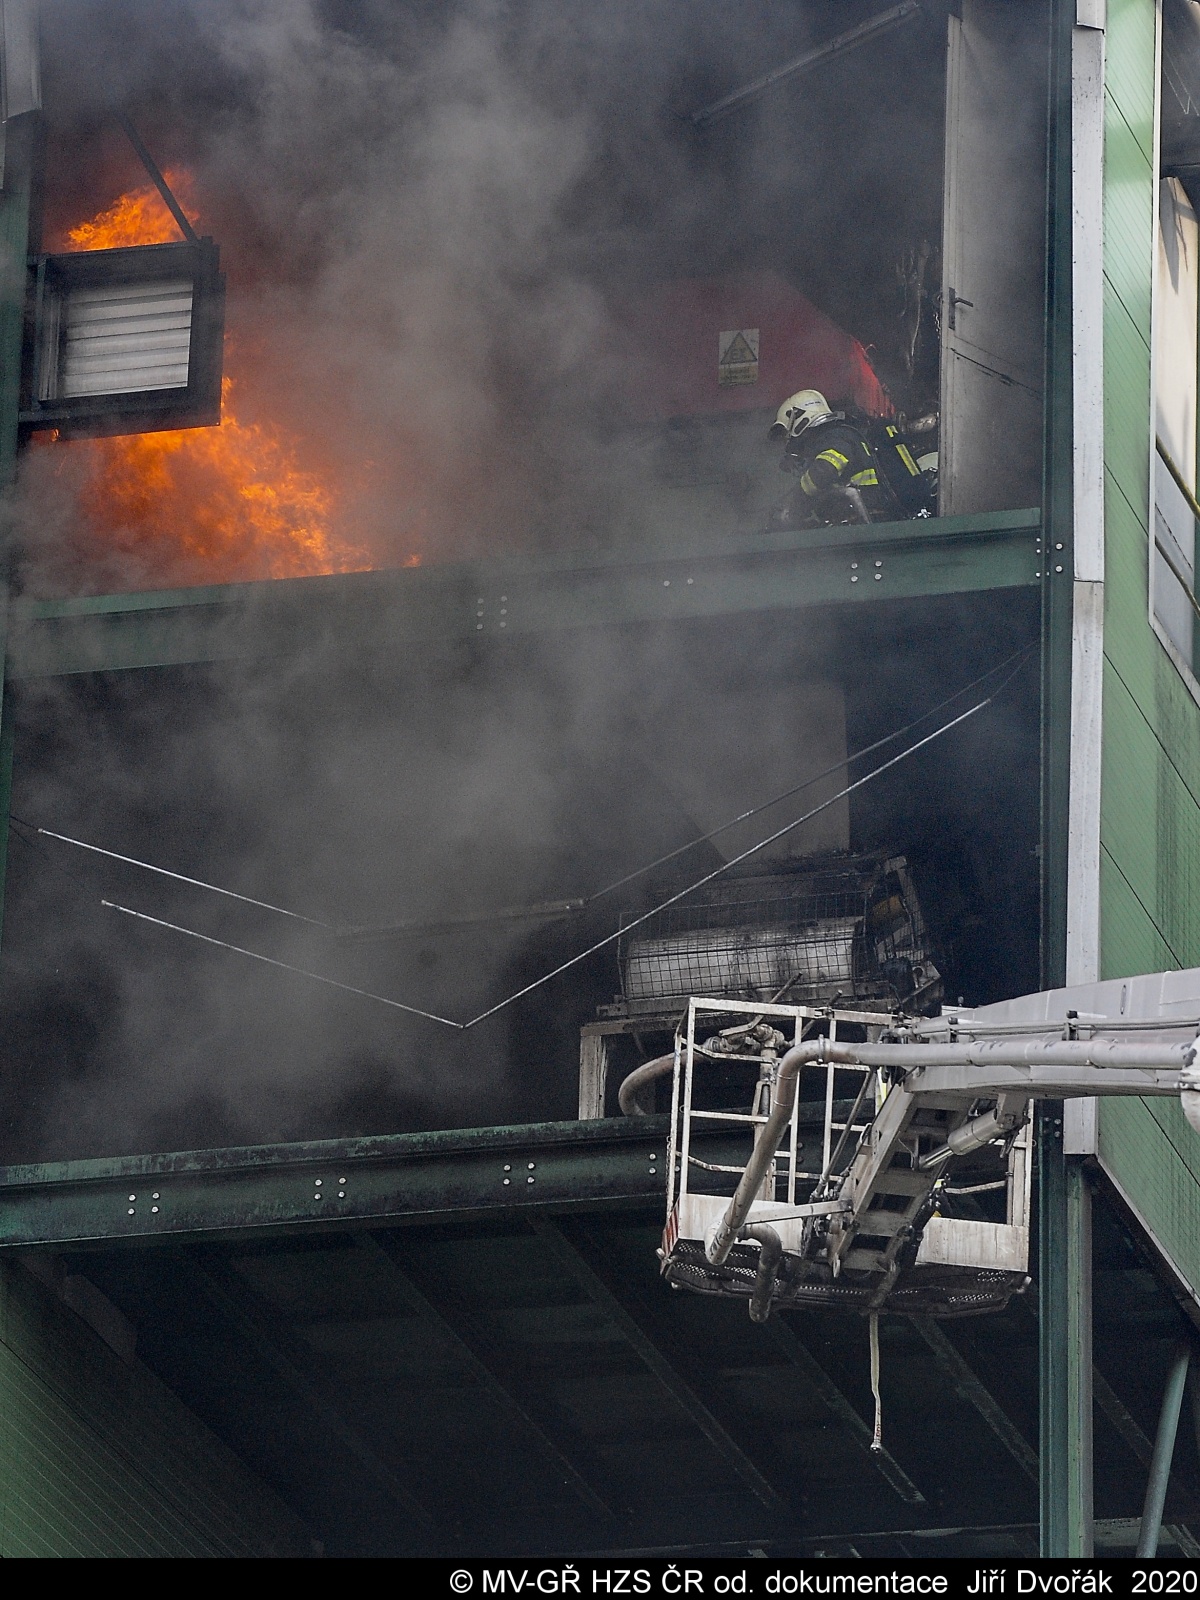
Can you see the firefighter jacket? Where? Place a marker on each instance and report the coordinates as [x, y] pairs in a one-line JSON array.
[[832, 454], [875, 460]]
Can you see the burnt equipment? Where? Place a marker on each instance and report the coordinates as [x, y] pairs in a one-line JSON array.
[[843, 930]]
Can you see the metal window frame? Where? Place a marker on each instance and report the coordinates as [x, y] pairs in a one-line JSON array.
[[194, 405]]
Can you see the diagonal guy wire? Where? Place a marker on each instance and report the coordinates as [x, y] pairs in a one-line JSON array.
[[727, 865], [158, 922], [179, 877], [600, 944], [619, 883]]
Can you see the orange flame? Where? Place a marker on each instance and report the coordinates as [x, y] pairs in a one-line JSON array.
[[203, 505], [139, 217], [223, 503]]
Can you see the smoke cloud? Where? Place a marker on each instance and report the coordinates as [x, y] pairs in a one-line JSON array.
[[444, 228], [447, 229]]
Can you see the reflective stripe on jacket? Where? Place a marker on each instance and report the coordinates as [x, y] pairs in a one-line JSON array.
[[831, 453]]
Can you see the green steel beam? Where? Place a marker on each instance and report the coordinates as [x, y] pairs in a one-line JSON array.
[[968, 1387], [481, 1370], [390, 1179], [573, 1265], [495, 600]]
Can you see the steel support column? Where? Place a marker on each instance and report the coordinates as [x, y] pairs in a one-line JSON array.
[[1164, 1450], [1064, 1272], [1065, 1343], [1058, 505]]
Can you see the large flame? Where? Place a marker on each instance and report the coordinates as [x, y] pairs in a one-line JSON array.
[[202, 505], [218, 503], [139, 217]]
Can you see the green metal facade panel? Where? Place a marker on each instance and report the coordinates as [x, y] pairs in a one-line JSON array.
[[1127, 423], [97, 1458], [1131, 752], [1126, 187], [1128, 929], [1146, 1152], [1152, 813], [1150, 795], [1129, 67]]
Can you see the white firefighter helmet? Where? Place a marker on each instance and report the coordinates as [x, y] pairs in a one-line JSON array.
[[798, 412]]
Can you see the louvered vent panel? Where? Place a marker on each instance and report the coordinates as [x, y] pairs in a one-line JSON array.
[[125, 338]]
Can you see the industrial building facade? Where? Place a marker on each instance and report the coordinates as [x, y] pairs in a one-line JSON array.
[[425, 1316]]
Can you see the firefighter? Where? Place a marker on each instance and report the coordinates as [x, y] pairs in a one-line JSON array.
[[852, 468]]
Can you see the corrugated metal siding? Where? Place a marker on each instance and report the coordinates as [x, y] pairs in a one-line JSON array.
[[97, 1458], [1128, 932], [1150, 1151], [1150, 798], [126, 338]]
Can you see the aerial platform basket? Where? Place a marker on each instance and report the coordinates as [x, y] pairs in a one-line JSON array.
[[925, 1242]]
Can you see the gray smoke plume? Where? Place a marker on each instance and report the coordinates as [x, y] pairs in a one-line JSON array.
[[440, 225], [443, 228]]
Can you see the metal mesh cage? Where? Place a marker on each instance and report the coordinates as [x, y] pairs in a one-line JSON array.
[[851, 931]]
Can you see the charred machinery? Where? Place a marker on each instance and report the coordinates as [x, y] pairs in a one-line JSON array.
[[839, 930], [819, 932]]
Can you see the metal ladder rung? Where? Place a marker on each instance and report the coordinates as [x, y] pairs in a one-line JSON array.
[[882, 1224], [902, 1180], [859, 1260]]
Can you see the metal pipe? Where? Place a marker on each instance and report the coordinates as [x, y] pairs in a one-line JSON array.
[[1030, 1053], [1080, 1053], [836, 1154], [641, 1078], [1164, 1449], [769, 1256], [799, 1056], [1002, 1119], [819, 53]]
